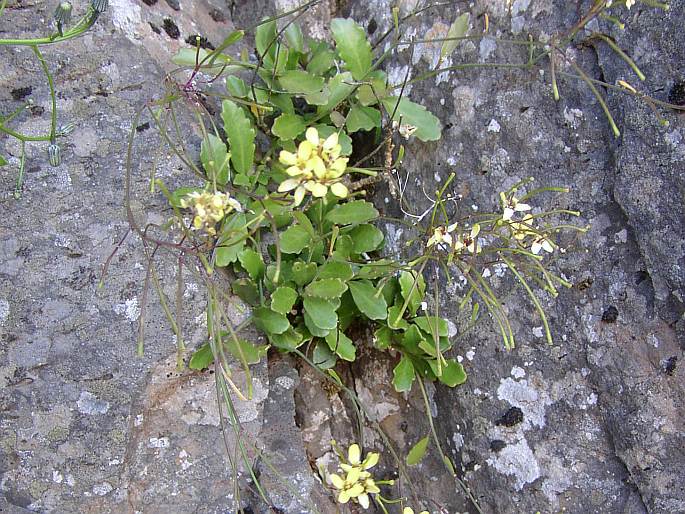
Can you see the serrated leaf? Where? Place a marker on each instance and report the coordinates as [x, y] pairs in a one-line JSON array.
[[321, 311], [294, 38], [414, 293], [236, 86], [283, 299], [403, 375], [288, 126], [282, 101], [383, 338], [270, 321], [428, 127], [246, 290], [214, 158], [453, 374], [339, 87], [364, 294], [326, 288], [231, 240], [294, 239], [352, 45], [341, 345], [202, 357], [252, 262], [362, 118], [412, 339], [352, 213], [395, 319], [319, 98], [323, 357], [303, 273], [288, 340], [312, 328], [240, 135], [366, 238], [335, 269], [301, 82], [432, 324], [458, 29], [417, 452]]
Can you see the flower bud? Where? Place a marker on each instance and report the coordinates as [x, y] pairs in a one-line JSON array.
[[63, 15], [54, 155]]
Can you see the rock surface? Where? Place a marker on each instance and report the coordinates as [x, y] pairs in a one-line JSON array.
[[593, 423]]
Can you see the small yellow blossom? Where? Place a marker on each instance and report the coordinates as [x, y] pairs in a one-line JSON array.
[[468, 241], [511, 206], [357, 483], [630, 3], [316, 167], [541, 243], [409, 510], [209, 209]]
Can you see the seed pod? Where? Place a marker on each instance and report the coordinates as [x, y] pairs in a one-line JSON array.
[[54, 155], [99, 6]]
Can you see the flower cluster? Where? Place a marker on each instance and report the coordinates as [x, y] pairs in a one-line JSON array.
[[357, 483], [523, 228], [209, 209], [466, 240], [316, 167]]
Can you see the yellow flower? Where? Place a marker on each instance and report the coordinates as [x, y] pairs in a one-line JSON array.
[[358, 483], [315, 167], [511, 206], [409, 510], [209, 209]]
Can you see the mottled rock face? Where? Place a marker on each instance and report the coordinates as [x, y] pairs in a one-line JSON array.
[[590, 424]]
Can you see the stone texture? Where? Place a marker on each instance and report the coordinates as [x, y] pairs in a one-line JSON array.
[[590, 424]]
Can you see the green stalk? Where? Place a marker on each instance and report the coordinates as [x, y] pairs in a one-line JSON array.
[[51, 85], [82, 26]]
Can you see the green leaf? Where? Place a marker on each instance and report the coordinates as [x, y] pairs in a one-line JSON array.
[[301, 82], [288, 126], [428, 126], [186, 57], [395, 319], [3, 161], [313, 329], [180, 193], [323, 357], [294, 38], [366, 238], [431, 325], [270, 321], [252, 262], [412, 339], [403, 375], [417, 452], [453, 374], [364, 294], [377, 269], [231, 240], [352, 45], [335, 269], [202, 357], [229, 40], [303, 273], [246, 290], [245, 350], [339, 87], [341, 345], [321, 311], [363, 118], [295, 239], [318, 98], [326, 288], [265, 38], [322, 60], [288, 340], [383, 337], [352, 213], [282, 101], [457, 30], [240, 134], [283, 299], [370, 94], [236, 87], [411, 292], [214, 158]]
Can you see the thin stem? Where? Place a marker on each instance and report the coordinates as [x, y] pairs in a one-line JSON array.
[[82, 26], [51, 85]]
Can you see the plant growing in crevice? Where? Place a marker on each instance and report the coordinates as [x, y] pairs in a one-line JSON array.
[[63, 32]]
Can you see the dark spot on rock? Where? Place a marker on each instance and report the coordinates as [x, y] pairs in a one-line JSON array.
[[171, 28], [192, 40], [143, 126], [217, 16], [404, 426], [469, 465], [497, 445], [670, 365], [524, 108], [149, 2], [154, 28], [512, 417], [640, 277], [37, 110], [677, 93], [610, 315], [174, 4], [584, 284], [372, 26], [21, 92]]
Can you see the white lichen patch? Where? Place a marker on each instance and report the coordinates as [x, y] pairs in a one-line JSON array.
[[518, 372], [4, 311], [530, 399], [285, 382], [493, 126], [519, 461], [89, 404], [126, 16], [158, 442], [129, 309]]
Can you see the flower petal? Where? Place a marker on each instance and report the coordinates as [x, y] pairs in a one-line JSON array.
[[354, 454], [304, 151], [317, 189], [294, 171], [287, 158], [288, 185], [299, 195], [363, 500], [337, 481], [312, 136], [339, 189], [519, 207], [330, 142]]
